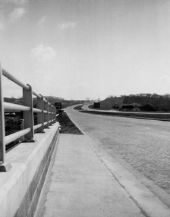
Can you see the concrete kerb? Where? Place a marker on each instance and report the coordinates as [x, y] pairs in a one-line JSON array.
[[18, 186], [137, 115], [147, 201], [39, 211]]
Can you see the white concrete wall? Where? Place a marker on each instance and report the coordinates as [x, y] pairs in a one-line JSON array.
[[25, 159]]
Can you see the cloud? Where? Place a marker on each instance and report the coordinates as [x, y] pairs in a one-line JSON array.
[[16, 2], [16, 14], [42, 21], [165, 78], [2, 26], [67, 25], [43, 53], [2, 23]]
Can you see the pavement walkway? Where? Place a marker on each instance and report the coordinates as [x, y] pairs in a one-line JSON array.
[[79, 185]]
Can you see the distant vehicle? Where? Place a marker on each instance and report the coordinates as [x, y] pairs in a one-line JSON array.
[[96, 105], [58, 106]]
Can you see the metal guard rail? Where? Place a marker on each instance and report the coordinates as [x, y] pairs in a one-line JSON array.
[[46, 115]]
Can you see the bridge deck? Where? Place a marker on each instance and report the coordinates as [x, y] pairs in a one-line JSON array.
[[79, 185]]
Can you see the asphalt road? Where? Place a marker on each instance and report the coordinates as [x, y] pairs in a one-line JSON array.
[[143, 144]]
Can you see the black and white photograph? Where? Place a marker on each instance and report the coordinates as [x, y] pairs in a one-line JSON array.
[[84, 108]]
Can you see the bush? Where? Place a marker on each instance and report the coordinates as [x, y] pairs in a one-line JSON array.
[[148, 108]]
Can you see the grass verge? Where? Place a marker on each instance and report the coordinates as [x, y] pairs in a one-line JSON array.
[[67, 126]]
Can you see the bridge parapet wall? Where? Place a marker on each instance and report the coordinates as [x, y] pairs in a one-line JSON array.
[[20, 187]]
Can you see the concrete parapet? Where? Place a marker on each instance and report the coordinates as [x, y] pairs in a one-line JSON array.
[[142, 115], [21, 186]]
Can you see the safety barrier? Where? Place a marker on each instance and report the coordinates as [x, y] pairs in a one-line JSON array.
[[46, 115]]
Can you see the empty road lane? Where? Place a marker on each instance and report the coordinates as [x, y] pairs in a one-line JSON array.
[[143, 144]]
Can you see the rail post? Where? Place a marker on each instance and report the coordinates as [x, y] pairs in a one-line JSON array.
[[2, 125], [3, 166], [50, 114], [22, 128], [40, 116], [54, 114], [28, 115], [47, 114]]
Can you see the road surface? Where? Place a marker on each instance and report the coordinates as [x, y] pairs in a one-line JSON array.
[[143, 144]]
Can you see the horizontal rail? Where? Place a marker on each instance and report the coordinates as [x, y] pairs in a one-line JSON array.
[[50, 113], [12, 137], [45, 123], [15, 80], [11, 107], [44, 118], [37, 110], [45, 100], [35, 94], [35, 127]]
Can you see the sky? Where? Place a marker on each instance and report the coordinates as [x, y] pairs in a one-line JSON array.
[[78, 49]]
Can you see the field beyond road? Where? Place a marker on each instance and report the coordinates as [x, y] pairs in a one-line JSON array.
[[143, 144]]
